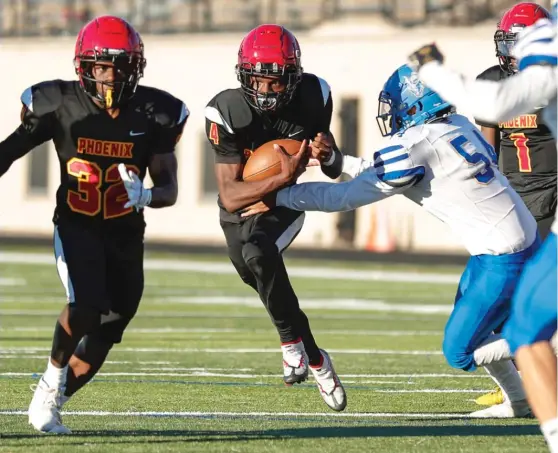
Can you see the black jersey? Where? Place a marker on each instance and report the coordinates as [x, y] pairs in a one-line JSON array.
[[234, 128], [527, 155], [90, 144]]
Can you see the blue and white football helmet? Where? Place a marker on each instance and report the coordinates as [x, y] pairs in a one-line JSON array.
[[405, 102]]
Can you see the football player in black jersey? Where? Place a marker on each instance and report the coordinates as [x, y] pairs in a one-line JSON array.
[[526, 148], [100, 123], [276, 99], [525, 145]]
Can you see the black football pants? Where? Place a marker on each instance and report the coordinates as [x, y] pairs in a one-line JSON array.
[[255, 248]]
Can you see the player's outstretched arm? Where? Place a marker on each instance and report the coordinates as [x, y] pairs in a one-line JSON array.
[[163, 172], [492, 101], [331, 197]]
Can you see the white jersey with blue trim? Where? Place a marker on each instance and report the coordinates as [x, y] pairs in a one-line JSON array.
[[446, 167]]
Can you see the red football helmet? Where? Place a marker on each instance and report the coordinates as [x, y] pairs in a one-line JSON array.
[[110, 39], [269, 51], [516, 18]]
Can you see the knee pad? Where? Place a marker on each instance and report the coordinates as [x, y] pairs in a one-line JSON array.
[[458, 358], [83, 319], [112, 328], [259, 254]]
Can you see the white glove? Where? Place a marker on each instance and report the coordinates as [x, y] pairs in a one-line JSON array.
[[138, 196]]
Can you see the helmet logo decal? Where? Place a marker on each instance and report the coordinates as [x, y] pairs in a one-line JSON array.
[[413, 84]]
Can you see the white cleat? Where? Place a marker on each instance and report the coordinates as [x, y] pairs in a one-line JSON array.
[[44, 410], [295, 363], [330, 386], [517, 409]]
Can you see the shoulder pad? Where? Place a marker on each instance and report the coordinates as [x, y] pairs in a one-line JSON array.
[[395, 167], [493, 73], [311, 79], [43, 98], [230, 110], [168, 111]]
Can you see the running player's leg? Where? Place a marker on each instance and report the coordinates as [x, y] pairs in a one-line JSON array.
[[530, 331], [125, 283], [80, 262]]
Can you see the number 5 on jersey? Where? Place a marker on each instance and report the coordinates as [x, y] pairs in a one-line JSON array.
[[485, 173], [89, 199]]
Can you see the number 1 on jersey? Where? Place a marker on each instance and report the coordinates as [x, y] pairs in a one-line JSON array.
[[523, 152]]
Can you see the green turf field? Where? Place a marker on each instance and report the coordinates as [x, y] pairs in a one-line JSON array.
[[199, 369]]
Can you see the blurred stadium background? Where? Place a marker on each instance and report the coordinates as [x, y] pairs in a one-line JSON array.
[[191, 50]]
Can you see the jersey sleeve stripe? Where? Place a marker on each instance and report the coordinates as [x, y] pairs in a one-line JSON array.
[[184, 113], [532, 60], [27, 98], [387, 150], [213, 115], [382, 163], [402, 176], [326, 90]]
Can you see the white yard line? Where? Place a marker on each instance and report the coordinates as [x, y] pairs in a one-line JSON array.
[[424, 415], [306, 303], [12, 282], [227, 268], [25, 349], [210, 372], [160, 330]]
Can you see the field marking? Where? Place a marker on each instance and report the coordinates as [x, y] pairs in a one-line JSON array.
[[25, 349], [227, 268], [212, 315], [200, 372], [157, 330], [425, 415], [306, 303], [12, 281]]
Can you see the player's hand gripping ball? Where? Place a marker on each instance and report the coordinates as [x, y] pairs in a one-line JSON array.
[[265, 161]]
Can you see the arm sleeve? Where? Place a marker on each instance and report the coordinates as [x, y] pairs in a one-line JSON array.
[[489, 101], [333, 168], [221, 137], [354, 166], [171, 127], [37, 125]]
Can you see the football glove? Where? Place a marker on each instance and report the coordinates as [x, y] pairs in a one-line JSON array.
[[425, 55], [138, 196]]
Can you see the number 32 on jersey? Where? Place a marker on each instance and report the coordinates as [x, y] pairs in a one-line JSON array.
[[89, 199]]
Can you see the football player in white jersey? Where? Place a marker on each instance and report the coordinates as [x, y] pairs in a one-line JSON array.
[[533, 319], [440, 160]]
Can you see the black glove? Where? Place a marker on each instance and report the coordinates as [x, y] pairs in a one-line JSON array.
[[424, 55]]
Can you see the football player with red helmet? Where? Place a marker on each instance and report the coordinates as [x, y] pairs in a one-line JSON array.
[[107, 132], [276, 99]]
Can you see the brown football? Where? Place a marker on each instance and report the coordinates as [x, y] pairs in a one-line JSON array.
[[265, 162]]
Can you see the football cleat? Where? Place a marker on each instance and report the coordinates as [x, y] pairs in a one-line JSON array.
[[330, 386], [44, 410], [295, 362], [491, 399], [517, 409]]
